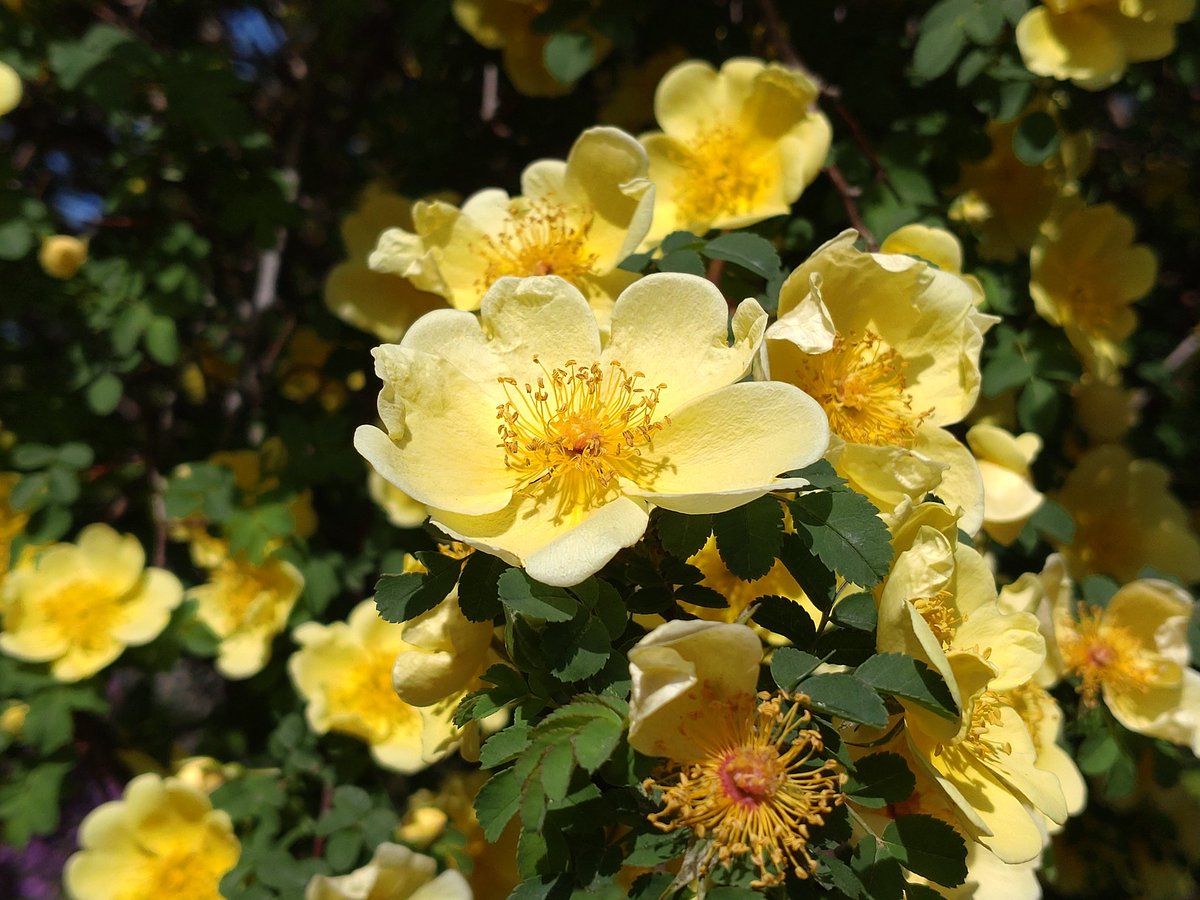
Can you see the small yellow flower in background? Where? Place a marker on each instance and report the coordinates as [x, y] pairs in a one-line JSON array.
[[1105, 411], [62, 255], [630, 103], [592, 435], [577, 220], [12, 521], [889, 346], [736, 146], [256, 473], [394, 873], [747, 775], [12, 717], [1005, 200], [740, 594], [1009, 495], [205, 774], [401, 510], [10, 89], [300, 371], [344, 672], [379, 302], [78, 606], [507, 25], [1126, 518], [1085, 272], [1134, 653], [162, 839], [244, 604], [1090, 42]]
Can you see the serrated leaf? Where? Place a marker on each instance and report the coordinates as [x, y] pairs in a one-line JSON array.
[[843, 695], [856, 611], [596, 742], [576, 653], [928, 847], [686, 261], [880, 779], [683, 536], [847, 534], [821, 475], [399, 598], [750, 251], [790, 666], [557, 766], [785, 617], [497, 802], [701, 595], [478, 586], [503, 746], [749, 537], [30, 805], [911, 679], [817, 580], [522, 595]]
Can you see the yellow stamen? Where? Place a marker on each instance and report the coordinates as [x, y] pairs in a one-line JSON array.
[[861, 386], [84, 612], [975, 739], [943, 620], [366, 703], [1106, 655], [758, 791], [539, 240], [722, 177], [575, 430]]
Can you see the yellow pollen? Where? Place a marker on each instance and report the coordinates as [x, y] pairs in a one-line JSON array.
[[1107, 656], [364, 703], [1030, 700], [722, 176], [84, 612], [539, 240], [758, 791], [178, 874], [575, 430], [943, 620], [975, 740], [861, 386]]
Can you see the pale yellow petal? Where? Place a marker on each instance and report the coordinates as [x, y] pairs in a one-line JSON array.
[[961, 485], [936, 245], [1076, 46]]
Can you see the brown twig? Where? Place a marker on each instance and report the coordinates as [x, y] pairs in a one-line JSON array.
[[849, 193]]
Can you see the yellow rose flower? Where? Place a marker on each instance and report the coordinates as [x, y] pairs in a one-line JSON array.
[[10, 89], [379, 302], [1005, 200], [899, 362], [62, 255], [507, 25], [578, 220], [77, 606], [736, 147], [1041, 594], [244, 604], [256, 473], [1090, 42], [401, 510], [592, 434], [1085, 272], [1105, 410], [1009, 496], [394, 873], [344, 672], [12, 521], [747, 774], [162, 839], [12, 717], [441, 654], [1126, 518]]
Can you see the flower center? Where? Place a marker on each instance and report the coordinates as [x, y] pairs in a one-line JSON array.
[[178, 875], [861, 386], [942, 618], [1107, 656], [539, 240], [576, 429], [84, 612], [758, 790], [1091, 307], [362, 701], [721, 176], [245, 596]]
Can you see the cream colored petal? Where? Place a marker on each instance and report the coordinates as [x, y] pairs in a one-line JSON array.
[[1007, 496], [734, 439], [808, 325], [995, 444], [112, 558], [450, 885], [802, 154], [961, 486], [677, 670], [667, 171], [1156, 612], [1016, 645], [888, 476], [688, 99], [675, 328], [383, 304], [147, 614], [1077, 46], [936, 245], [405, 255]]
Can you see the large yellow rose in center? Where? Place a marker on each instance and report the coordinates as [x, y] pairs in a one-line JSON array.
[[530, 437]]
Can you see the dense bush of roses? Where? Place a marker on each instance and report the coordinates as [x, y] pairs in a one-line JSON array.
[[583, 448]]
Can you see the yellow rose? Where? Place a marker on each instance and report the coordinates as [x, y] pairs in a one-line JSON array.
[[1009, 496], [442, 653], [1090, 42], [649, 418], [577, 220], [77, 606], [1105, 410], [1126, 518], [10, 89], [162, 839], [344, 672], [394, 873], [1085, 272], [12, 521], [379, 302], [244, 604], [401, 510], [62, 255], [736, 147], [899, 362]]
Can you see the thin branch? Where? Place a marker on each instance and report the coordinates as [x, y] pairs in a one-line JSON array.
[[849, 194]]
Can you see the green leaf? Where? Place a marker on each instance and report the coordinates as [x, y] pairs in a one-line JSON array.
[[856, 611], [880, 779], [162, 341], [847, 535], [845, 696], [821, 475], [1036, 138], [1039, 406], [686, 261], [524, 596], [75, 455], [569, 55], [29, 806], [478, 586], [503, 746], [911, 679], [104, 394], [202, 488], [576, 653], [818, 581], [49, 724], [785, 617], [751, 252], [681, 240], [749, 537], [72, 60], [507, 686], [1097, 590], [557, 766], [1052, 520], [497, 802], [683, 536], [33, 456], [790, 666], [940, 42], [399, 598], [928, 847]]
